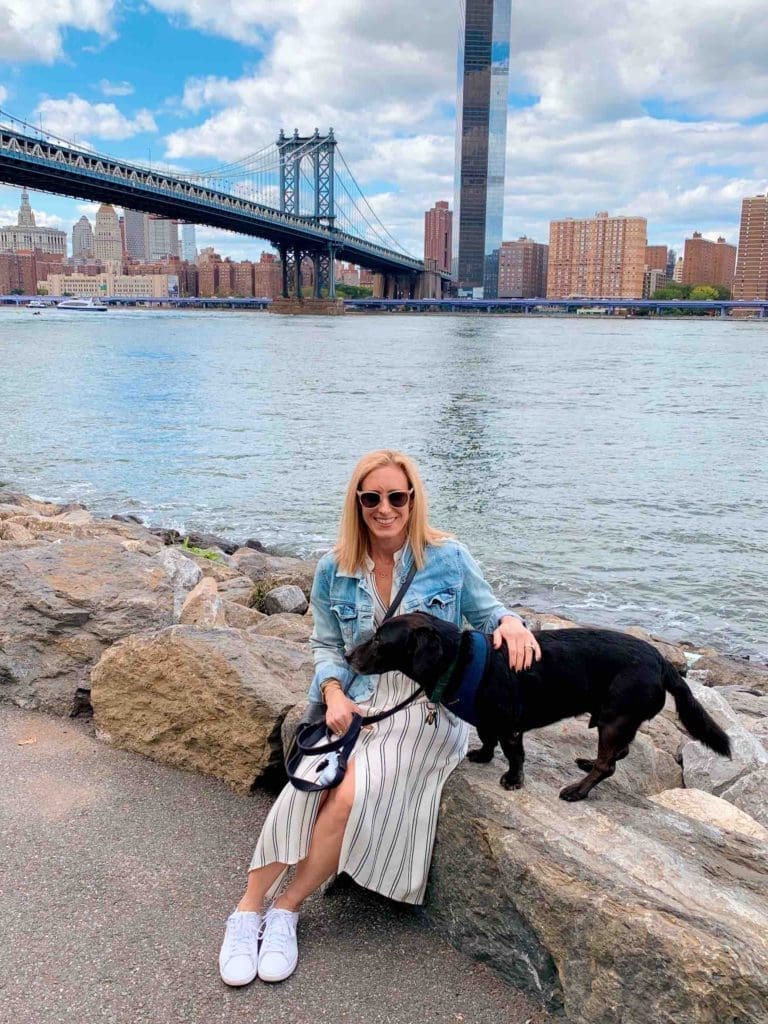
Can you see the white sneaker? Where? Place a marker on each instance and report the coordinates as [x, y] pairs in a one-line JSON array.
[[279, 952], [239, 956]]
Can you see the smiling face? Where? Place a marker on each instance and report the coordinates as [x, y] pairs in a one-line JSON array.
[[387, 525]]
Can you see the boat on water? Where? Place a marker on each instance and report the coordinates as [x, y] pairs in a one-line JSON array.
[[37, 304], [83, 305]]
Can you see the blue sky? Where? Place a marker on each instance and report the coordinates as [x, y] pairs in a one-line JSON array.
[[646, 109]]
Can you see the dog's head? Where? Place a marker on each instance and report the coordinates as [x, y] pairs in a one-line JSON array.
[[417, 644]]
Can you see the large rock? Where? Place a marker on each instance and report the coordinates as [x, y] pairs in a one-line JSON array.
[[286, 626], [646, 769], [702, 767], [203, 606], [665, 731], [62, 604], [711, 809], [288, 599], [207, 700], [724, 671], [274, 570], [617, 908], [183, 573], [750, 793]]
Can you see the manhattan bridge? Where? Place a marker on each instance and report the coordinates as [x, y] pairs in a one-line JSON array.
[[298, 193]]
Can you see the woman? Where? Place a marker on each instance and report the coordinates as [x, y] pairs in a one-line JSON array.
[[379, 824]]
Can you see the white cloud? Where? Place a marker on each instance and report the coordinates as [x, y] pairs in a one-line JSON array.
[[75, 116], [384, 77], [108, 88], [32, 32], [3, 95]]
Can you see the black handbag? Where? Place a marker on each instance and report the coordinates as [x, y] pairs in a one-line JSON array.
[[312, 736]]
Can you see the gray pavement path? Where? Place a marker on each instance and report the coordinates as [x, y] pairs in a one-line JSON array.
[[116, 878]]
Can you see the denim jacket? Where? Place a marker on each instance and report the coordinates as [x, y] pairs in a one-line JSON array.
[[450, 586]]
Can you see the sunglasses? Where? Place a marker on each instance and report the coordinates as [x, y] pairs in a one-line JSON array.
[[397, 499]]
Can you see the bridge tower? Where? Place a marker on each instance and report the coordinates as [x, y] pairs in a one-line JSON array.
[[294, 150]]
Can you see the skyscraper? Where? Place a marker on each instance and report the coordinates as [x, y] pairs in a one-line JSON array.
[[438, 232], [82, 239], [481, 138], [751, 280], [107, 241], [137, 235], [163, 238], [188, 243]]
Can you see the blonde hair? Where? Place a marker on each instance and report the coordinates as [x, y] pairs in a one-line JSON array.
[[353, 543]]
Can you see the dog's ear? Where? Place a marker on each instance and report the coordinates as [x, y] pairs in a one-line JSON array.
[[426, 649]]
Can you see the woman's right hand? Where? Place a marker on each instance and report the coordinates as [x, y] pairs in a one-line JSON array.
[[340, 710]]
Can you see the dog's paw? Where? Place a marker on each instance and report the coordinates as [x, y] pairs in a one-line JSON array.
[[510, 781], [585, 764], [572, 793], [480, 756]]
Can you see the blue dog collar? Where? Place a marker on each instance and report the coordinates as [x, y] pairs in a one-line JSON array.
[[463, 701]]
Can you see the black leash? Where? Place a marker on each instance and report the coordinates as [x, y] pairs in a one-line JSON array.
[[309, 735]]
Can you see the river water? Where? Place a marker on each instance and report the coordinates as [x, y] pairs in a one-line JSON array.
[[613, 470]]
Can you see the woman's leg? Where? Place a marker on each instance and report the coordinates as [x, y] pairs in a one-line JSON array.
[[260, 881], [322, 859]]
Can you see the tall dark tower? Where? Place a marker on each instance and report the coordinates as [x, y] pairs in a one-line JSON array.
[[481, 138]]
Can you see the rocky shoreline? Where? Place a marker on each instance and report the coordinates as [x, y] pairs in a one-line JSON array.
[[647, 902]]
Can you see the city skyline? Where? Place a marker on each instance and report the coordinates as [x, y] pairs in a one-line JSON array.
[[676, 132]]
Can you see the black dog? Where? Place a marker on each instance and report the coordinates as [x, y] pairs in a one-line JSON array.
[[620, 680]]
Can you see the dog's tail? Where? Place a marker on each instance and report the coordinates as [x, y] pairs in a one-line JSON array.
[[698, 722]]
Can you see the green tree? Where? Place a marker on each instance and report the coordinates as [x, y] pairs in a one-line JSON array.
[[353, 291], [673, 290], [704, 292]]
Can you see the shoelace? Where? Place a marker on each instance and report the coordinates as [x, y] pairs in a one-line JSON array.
[[244, 933], [278, 931]]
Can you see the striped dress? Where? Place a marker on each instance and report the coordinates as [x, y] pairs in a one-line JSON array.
[[401, 765]]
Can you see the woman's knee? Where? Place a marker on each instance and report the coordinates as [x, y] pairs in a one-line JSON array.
[[340, 800]]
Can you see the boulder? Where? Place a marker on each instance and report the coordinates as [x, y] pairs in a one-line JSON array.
[[183, 573], [543, 620], [724, 671], [750, 793], [238, 616], [702, 767], [212, 540], [646, 769], [236, 588], [203, 606], [274, 570], [16, 533], [206, 700], [750, 705], [711, 809], [288, 599], [62, 604], [286, 626], [614, 908]]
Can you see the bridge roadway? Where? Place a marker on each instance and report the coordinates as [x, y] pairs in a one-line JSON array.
[[49, 166], [722, 306]]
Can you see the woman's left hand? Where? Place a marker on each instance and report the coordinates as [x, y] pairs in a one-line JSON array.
[[522, 645]]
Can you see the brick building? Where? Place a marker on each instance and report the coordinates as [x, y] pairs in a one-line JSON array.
[[656, 257], [523, 269], [705, 262], [438, 236], [751, 280], [600, 257]]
